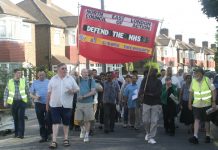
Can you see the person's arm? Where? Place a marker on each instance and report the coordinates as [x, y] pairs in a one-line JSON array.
[[48, 101], [180, 94], [213, 92], [75, 87], [92, 92], [191, 94], [213, 102], [6, 94], [32, 92]]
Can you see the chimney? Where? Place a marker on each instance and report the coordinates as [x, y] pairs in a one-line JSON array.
[[46, 1], [205, 44], [213, 46], [164, 31], [178, 37], [192, 40]]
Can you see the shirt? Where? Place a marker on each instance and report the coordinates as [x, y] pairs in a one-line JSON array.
[[40, 88], [129, 92], [58, 88], [111, 90], [85, 88]]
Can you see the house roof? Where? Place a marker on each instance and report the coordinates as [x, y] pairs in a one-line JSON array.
[[48, 14], [56, 59], [162, 40], [70, 21], [183, 45], [9, 8], [209, 51], [196, 48]]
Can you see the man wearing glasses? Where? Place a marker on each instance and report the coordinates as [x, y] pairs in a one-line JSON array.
[[61, 89]]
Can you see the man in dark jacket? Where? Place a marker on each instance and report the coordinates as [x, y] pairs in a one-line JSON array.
[[151, 88]]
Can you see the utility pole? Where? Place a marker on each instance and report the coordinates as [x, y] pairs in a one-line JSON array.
[[103, 65]]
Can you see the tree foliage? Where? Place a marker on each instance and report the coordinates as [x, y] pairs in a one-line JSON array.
[[210, 8]]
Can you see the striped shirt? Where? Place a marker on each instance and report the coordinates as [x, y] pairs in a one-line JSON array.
[[40, 88]]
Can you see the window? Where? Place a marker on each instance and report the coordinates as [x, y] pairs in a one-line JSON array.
[[2, 29], [165, 52], [72, 38], [27, 32], [57, 37]]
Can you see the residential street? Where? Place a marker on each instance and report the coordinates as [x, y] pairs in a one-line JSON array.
[[121, 139]]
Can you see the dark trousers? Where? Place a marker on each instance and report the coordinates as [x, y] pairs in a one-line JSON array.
[[125, 115], [41, 113], [99, 115], [109, 116], [169, 120], [18, 112]]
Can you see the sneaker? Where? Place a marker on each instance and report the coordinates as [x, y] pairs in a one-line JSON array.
[[82, 134], [146, 137], [91, 133], [207, 139], [152, 141], [193, 140], [86, 139]]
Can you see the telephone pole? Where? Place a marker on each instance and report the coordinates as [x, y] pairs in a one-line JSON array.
[[103, 65]]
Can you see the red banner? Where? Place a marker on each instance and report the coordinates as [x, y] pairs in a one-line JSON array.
[[109, 37]]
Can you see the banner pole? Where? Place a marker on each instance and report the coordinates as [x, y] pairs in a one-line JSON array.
[[78, 34], [152, 59]]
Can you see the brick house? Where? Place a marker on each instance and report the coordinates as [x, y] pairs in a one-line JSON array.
[[188, 56], [17, 37], [50, 32], [166, 51]]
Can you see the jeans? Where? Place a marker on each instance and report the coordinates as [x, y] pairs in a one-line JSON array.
[[18, 112]]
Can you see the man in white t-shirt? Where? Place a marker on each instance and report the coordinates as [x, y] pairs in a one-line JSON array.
[[61, 89]]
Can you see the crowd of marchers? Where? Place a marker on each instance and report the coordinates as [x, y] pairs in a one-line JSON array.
[[78, 101]]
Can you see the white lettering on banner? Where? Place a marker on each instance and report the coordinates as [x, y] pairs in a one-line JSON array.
[[118, 19], [97, 30], [134, 37], [116, 34]]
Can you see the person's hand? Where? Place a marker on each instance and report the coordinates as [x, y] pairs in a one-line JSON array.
[[214, 105], [80, 98], [47, 107], [37, 97], [189, 106], [70, 91], [5, 104]]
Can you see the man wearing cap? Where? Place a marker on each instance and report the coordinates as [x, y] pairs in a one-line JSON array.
[[202, 96]]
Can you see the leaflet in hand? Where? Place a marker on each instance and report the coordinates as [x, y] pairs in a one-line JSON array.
[[135, 94], [174, 98]]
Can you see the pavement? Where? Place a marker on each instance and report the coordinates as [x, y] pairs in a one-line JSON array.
[[121, 139]]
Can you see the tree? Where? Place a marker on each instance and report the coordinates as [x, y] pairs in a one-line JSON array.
[[210, 8]]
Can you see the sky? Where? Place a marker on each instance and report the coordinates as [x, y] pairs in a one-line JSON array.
[[178, 16]]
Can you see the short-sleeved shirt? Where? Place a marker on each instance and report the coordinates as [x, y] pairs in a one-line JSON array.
[[129, 91], [40, 88], [58, 88], [85, 87], [111, 90]]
